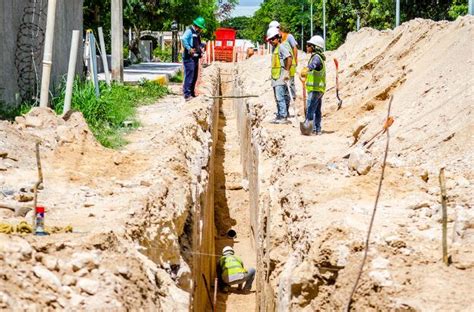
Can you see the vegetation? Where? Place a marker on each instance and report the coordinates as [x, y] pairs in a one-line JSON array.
[[341, 16], [156, 15], [178, 78], [108, 114]]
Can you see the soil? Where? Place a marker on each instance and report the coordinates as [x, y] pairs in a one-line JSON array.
[[132, 210]]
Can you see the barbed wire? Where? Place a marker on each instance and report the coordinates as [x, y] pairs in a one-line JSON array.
[[29, 48]]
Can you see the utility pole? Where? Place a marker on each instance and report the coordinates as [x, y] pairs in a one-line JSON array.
[[397, 14], [471, 7], [117, 40], [358, 21], [302, 27], [324, 23], [48, 53], [311, 16]]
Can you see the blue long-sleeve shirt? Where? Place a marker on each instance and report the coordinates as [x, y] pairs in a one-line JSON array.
[[191, 39], [316, 64]]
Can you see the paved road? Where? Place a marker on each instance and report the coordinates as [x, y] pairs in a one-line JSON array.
[[149, 71]]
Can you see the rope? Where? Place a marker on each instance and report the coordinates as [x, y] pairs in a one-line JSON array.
[[25, 228], [387, 124]]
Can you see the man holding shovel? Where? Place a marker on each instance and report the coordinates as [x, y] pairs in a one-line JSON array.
[[315, 85]]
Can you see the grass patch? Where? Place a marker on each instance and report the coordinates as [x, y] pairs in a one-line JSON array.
[[177, 78], [106, 115]]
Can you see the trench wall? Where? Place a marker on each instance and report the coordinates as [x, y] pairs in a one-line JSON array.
[[204, 263]]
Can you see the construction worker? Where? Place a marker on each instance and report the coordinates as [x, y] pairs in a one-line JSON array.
[[231, 271], [315, 82], [281, 65], [191, 41], [291, 44]]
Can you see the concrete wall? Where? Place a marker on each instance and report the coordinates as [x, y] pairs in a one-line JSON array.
[[68, 18]]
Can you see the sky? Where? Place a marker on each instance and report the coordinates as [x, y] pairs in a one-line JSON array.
[[246, 7]]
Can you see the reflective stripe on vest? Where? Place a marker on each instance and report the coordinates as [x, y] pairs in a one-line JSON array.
[[316, 80], [231, 265], [276, 64], [293, 62]]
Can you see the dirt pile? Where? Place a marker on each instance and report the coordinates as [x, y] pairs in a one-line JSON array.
[[320, 204], [130, 209]]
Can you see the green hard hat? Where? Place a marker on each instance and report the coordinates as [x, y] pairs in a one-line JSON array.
[[200, 22]]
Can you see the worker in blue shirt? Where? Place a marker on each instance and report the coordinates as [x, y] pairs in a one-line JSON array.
[[191, 41]]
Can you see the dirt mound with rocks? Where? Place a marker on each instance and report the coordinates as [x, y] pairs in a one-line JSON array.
[[128, 209], [321, 189]]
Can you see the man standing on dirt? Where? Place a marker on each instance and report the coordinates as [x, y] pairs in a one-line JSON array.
[[315, 82], [191, 41], [292, 46], [281, 65], [231, 271]]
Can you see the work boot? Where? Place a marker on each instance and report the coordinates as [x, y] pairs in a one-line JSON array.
[[225, 289]]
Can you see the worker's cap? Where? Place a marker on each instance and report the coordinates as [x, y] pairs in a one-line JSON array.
[[227, 250], [317, 41], [272, 33], [274, 24]]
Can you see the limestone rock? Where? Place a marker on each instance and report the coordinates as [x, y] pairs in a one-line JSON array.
[[88, 285], [84, 260], [360, 161], [47, 276]]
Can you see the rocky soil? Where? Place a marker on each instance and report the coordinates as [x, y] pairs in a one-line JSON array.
[[131, 210], [320, 201]]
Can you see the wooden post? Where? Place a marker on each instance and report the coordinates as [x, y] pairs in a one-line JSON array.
[[444, 197], [213, 51], [208, 52], [48, 53], [117, 40]]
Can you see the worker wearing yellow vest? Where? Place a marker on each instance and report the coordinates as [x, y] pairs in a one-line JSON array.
[[281, 65], [290, 42], [231, 271], [315, 82]]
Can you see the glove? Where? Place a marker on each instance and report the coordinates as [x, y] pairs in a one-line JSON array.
[[304, 73], [285, 75]]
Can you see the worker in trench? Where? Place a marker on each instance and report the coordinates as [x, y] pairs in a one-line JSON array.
[[191, 41], [231, 271], [290, 42], [315, 74], [280, 74]]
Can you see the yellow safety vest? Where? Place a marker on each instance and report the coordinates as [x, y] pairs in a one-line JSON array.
[[316, 80], [276, 64]]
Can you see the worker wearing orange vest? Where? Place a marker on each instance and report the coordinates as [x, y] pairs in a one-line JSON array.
[[231, 271], [291, 44], [281, 65]]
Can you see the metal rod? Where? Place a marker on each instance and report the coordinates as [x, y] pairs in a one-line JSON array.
[[397, 13], [442, 183], [71, 72], [103, 54], [311, 18], [48, 53], [232, 96]]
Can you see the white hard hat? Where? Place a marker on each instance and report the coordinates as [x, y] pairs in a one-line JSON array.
[[227, 250], [317, 41], [272, 32], [274, 24]]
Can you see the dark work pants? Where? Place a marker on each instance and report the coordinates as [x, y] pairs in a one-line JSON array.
[[191, 67]]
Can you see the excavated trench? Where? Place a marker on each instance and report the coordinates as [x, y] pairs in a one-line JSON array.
[[226, 214]]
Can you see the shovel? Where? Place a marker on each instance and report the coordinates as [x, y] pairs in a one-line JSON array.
[[305, 127], [339, 104]]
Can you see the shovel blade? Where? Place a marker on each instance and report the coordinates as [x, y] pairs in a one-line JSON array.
[[306, 127]]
